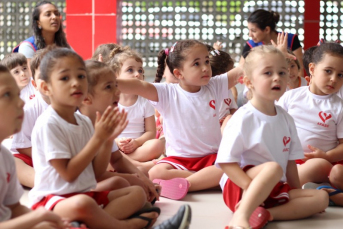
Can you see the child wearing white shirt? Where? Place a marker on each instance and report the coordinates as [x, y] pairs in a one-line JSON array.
[[259, 149]]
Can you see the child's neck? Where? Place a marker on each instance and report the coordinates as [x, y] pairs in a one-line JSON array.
[[294, 84], [266, 107], [127, 99], [66, 112]]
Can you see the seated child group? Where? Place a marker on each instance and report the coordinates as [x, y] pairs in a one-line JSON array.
[[96, 130]]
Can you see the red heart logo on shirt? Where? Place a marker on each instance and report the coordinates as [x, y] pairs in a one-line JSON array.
[[213, 104], [227, 101], [286, 140], [324, 116]]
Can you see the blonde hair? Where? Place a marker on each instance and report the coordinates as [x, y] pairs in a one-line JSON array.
[[119, 55], [253, 57]]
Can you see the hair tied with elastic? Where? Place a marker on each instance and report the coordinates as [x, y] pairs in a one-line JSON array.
[[322, 41], [173, 47], [215, 52], [166, 51]]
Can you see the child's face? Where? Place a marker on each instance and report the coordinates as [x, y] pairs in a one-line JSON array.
[[68, 84], [21, 75], [170, 78], [268, 78], [327, 75], [293, 71], [132, 69], [11, 106], [196, 70], [105, 93]]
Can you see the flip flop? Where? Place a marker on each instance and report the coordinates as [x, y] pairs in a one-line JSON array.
[[175, 189], [259, 218], [76, 225], [147, 210], [337, 191], [158, 190]]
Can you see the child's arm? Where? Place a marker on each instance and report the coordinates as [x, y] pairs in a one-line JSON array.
[[236, 174], [70, 169], [233, 75], [138, 87], [150, 133], [101, 160], [292, 175], [334, 155], [23, 218]]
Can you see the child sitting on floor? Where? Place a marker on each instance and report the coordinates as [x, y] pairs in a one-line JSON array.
[[259, 148], [17, 64]]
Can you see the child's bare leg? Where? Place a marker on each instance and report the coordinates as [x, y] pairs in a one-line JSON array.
[[165, 171], [26, 174], [125, 202], [206, 178], [336, 176], [83, 208], [264, 178], [302, 203], [314, 170], [111, 183], [144, 167], [151, 149]]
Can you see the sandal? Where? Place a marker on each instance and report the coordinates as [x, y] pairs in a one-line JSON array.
[[337, 191], [174, 189], [147, 210], [259, 218]]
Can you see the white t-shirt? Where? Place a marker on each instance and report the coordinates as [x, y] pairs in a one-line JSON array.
[[253, 138], [55, 138], [226, 105], [136, 114], [32, 110], [191, 120], [10, 189], [318, 118], [27, 93], [340, 93]]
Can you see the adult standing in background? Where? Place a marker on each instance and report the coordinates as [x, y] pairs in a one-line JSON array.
[[262, 29], [47, 30]]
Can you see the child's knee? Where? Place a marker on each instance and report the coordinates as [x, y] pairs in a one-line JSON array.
[[119, 182], [157, 172], [274, 168], [336, 174], [82, 205]]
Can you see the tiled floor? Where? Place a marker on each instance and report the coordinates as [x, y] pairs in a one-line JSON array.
[[210, 212]]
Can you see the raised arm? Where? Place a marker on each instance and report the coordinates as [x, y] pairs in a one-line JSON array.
[[233, 75], [138, 87]]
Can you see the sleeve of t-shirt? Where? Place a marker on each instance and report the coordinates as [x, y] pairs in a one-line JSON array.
[[220, 84], [163, 93], [148, 109], [296, 43], [26, 49], [246, 50], [295, 151], [53, 142], [15, 190], [340, 124], [232, 143], [22, 139]]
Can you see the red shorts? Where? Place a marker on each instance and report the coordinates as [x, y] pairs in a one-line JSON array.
[[232, 194], [50, 201], [24, 158], [190, 164], [300, 162]]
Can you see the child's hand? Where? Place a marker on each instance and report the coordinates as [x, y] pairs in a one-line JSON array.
[[49, 219], [218, 45], [316, 153], [282, 39], [120, 124], [130, 147], [105, 123], [100, 58], [121, 142]]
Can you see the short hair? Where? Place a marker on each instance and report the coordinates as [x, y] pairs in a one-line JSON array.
[[326, 48], [96, 70], [307, 58], [37, 58], [13, 60], [220, 61], [104, 50], [4, 69]]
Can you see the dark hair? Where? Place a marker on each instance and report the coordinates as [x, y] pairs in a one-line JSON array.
[[37, 59], [13, 60], [263, 18], [326, 48], [60, 38], [104, 50], [220, 61], [161, 65], [95, 70], [51, 58], [4, 69], [178, 52], [307, 58]]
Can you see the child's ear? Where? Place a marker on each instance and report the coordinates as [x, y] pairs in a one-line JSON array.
[[44, 87], [247, 82], [311, 68], [177, 73], [34, 83], [88, 100]]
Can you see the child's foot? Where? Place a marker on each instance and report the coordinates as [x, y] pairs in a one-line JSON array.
[[144, 220], [335, 195], [175, 188], [239, 221], [312, 185]]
